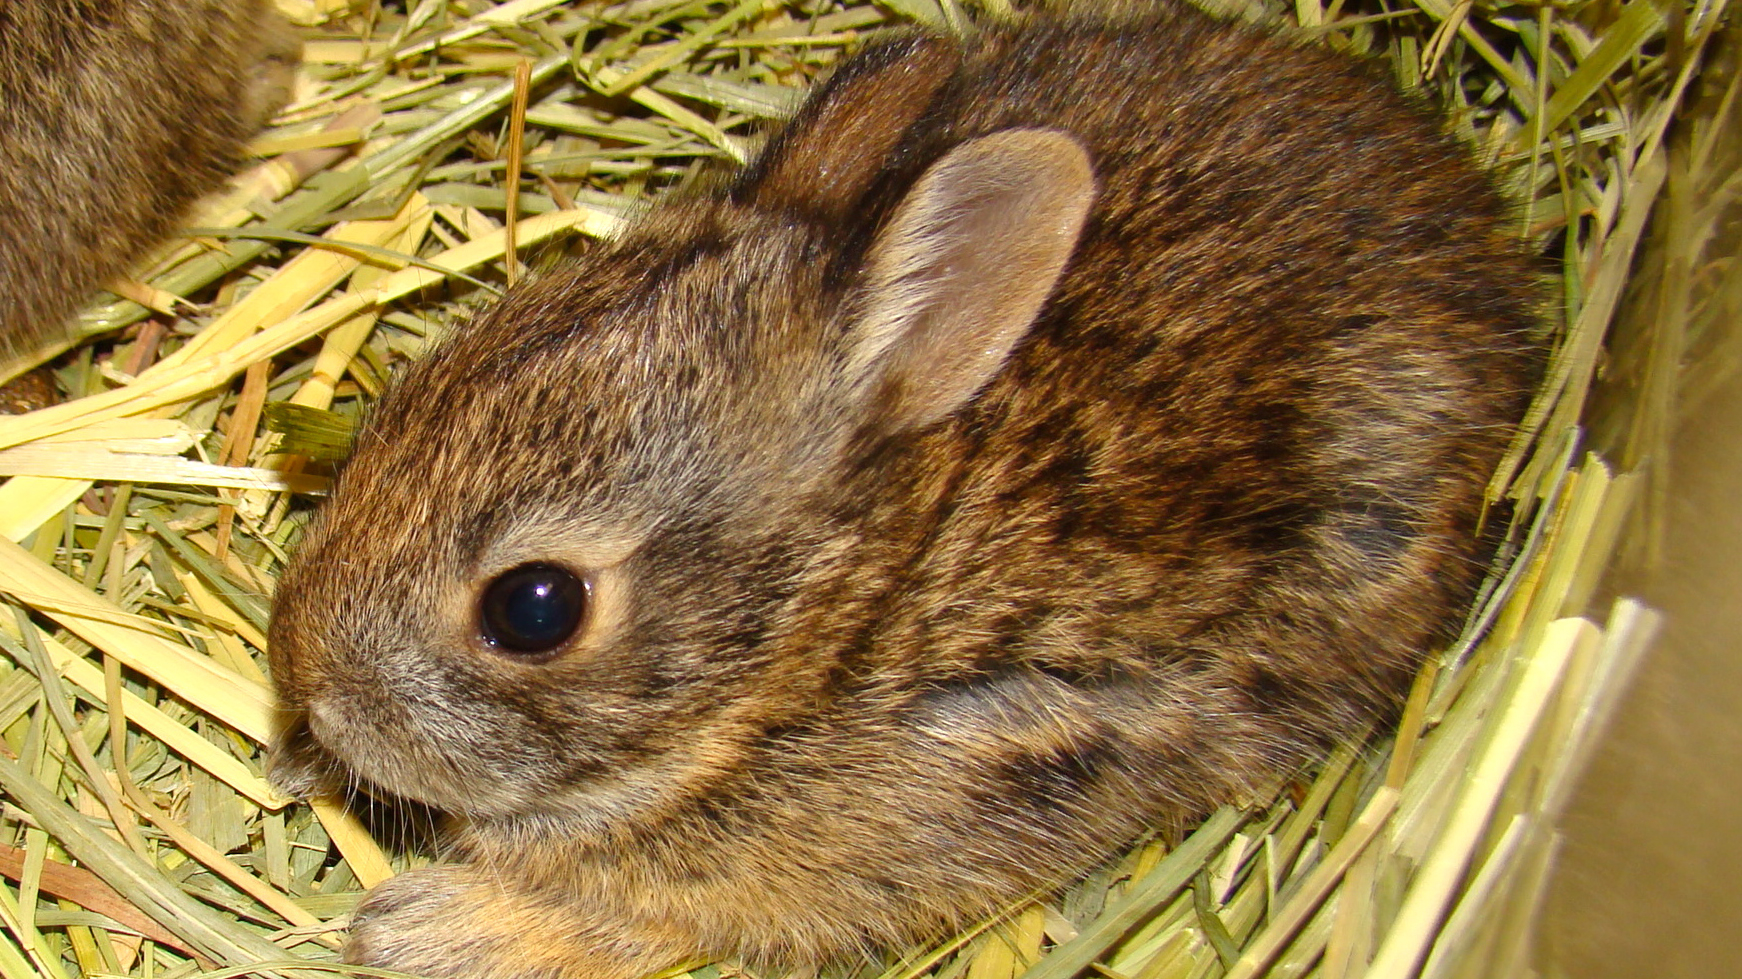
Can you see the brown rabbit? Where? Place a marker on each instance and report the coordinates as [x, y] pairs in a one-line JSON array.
[[1054, 431], [114, 116]]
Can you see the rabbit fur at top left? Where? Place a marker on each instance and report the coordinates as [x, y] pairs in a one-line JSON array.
[[114, 116]]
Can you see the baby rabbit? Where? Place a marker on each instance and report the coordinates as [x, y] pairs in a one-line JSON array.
[[1053, 431], [114, 116]]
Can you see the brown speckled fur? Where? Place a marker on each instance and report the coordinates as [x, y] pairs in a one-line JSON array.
[[848, 682], [114, 116]]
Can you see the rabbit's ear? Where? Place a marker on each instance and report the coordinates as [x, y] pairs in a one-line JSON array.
[[961, 270], [826, 158]]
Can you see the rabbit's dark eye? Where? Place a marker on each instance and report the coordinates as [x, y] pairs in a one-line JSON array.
[[533, 608]]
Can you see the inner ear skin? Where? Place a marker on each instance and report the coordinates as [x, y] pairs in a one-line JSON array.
[[959, 274]]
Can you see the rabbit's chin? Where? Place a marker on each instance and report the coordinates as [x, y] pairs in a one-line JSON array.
[[305, 764], [315, 756]]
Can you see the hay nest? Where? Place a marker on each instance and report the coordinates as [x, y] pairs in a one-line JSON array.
[[145, 516]]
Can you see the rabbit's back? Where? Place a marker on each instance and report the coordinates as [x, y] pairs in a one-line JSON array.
[[114, 116], [1253, 425]]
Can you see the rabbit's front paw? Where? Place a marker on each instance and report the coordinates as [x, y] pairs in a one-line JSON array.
[[450, 921]]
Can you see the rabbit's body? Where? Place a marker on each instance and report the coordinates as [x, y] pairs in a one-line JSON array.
[[114, 116], [949, 515]]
